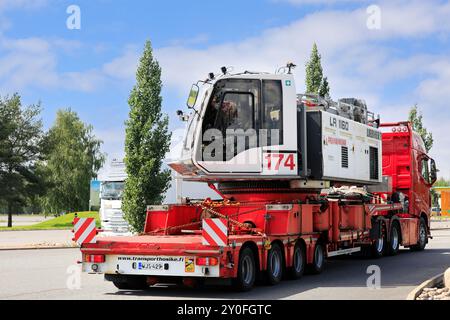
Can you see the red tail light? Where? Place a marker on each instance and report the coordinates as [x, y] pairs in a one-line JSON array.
[[207, 261], [94, 258]]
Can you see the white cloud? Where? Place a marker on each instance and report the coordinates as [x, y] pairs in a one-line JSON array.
[[33, 62], [436, 89], [123, 67], [351, 51], [21, 4], [26, 61], [358, 61]]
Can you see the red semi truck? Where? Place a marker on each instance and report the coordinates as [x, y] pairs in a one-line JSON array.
[[331, 180]]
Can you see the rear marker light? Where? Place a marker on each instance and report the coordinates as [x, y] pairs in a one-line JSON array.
[[94, 258], [207, 261]]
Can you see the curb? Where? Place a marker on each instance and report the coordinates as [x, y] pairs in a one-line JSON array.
[[427, 284], [38, 247]]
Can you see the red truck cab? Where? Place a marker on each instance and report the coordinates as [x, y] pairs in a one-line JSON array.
[[410, 170]]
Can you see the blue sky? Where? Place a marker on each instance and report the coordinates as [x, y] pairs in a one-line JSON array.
[[91, 70]]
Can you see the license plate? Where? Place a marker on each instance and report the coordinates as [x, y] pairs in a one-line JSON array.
[[149, 266]]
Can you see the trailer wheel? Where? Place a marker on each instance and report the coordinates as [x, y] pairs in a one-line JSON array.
[[394, 241], [318, 261], [275, 265], [246, 274], [298, 262], [422, 237]]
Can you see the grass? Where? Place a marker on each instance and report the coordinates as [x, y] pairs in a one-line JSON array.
[[60, 223]]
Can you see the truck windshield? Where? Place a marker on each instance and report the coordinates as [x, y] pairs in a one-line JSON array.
[[112, 190]]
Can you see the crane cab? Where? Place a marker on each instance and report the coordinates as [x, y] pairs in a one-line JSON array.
[[254, 126]]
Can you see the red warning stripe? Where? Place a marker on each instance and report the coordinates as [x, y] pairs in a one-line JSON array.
[[209, 241], [85, 230], [79, 232], [217, 231]]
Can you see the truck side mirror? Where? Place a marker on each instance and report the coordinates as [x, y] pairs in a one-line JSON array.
[[433, 171], [193, 96]]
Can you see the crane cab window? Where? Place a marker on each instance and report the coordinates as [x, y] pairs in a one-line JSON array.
[[272, 119], [233, 105], [236, 111], [233, 111]]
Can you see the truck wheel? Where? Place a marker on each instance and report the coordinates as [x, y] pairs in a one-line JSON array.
[[131, 283], [298, 262], [275, 265], [394, 243], [379, 246], [246, 274], [422, 237], [319, 260]]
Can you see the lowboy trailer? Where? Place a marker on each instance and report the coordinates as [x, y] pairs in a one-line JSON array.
[[335, 182]]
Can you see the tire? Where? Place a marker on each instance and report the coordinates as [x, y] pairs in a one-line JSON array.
[[130, 282], [275, 265], [246, 274], [393, 245], [378, 248], [423, 237], [318, 261], [298, 262]]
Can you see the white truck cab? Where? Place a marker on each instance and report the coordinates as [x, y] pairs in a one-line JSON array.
[[111, 193]]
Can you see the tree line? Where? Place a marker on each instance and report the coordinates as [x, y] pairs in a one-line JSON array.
[[45, 171]]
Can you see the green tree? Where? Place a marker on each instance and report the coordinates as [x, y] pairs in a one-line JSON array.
[[315, 82], [324, 90], [20, 149], [415, 117], [73, 159], [314, 71], [146, 143]]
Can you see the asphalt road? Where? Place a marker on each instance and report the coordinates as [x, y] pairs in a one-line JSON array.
[[45, 274], [23, 220]]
